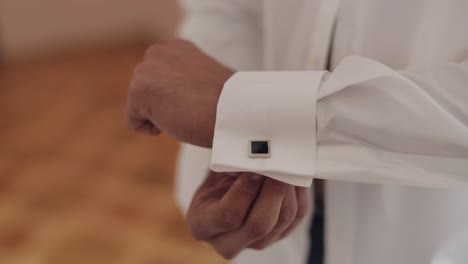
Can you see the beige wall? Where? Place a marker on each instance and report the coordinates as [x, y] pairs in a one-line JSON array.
[[35, 26]]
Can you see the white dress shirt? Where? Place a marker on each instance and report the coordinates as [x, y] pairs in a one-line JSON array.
[[392, 110]]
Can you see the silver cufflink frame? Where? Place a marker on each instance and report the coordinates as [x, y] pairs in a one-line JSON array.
[[259, 155]]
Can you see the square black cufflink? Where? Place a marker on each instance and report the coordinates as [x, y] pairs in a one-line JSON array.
[[259, 149]]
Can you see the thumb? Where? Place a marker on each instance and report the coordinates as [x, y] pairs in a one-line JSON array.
[[137, 122]]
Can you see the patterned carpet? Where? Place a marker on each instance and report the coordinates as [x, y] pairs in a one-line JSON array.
[[75, 186]]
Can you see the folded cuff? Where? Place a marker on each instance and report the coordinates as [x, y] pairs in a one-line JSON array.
[[274, 107]]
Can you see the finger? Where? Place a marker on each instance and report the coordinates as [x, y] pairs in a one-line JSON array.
[[304, 203], [152, 51], [212, 189], [230, 211], [260, 221], [137, 120], [215, 179], [286, 218], [143, 126]]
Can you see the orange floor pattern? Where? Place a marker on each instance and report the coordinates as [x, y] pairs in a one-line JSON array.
[[75, 186]]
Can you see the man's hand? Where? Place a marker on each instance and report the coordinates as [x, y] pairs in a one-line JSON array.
[[176, 90], [247, 211]]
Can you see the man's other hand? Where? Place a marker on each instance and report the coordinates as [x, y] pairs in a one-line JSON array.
[[175, 90], [245, 211]]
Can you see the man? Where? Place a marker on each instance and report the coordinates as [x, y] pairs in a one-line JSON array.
[[371, 94]]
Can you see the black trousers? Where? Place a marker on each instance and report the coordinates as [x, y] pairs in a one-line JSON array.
[[316, 234]]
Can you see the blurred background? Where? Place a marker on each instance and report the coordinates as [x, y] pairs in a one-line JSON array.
[[75, 186]]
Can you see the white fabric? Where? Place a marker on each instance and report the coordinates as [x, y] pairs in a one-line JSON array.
[[192, 170], [393, 110], [255, 106]]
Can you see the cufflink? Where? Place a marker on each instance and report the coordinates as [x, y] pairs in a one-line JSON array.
[[259, 149]]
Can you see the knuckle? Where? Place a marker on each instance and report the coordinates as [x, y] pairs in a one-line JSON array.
[[152, 50], [303, 210], [229, 219], [259, 228], [139, 71], [288, 214], [136, 83], [139, 88], [247, 193]]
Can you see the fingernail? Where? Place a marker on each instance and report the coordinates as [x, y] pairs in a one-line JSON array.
[[257, 177]]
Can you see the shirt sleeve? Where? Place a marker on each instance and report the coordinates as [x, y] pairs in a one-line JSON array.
[[366, 123], [274, 107], [229, 31]]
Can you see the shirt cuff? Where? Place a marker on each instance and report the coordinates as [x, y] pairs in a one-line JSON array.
[[277, 107]]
